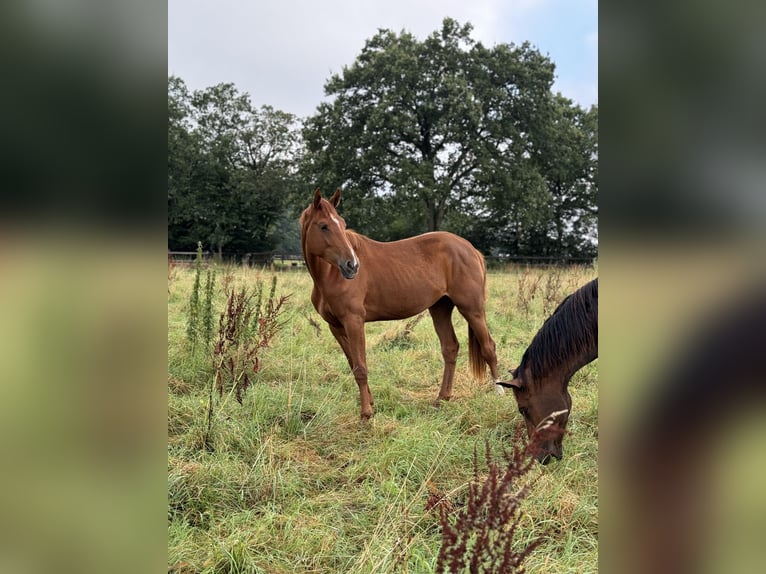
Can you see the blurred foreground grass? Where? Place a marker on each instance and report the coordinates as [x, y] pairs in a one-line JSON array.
[[82, 342]]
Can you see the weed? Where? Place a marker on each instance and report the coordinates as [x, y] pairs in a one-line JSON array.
[[243, 330], [199, 324], [402, 339], [314, 323], [527, 290], [228, 279], [207, 310], [481, 536], [172, 272], [552, 296], [192, 323]]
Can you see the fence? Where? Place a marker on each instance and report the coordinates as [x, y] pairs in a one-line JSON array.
[[258, 259], [186, 258], [537, 260], [270, 258]]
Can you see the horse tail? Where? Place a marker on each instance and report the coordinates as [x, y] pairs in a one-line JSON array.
[[475, 358]]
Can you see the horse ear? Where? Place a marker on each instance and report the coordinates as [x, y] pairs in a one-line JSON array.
[[335, 199], [515, 383], [317, 197]]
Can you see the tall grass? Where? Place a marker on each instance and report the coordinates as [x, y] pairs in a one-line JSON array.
[[298, 484]]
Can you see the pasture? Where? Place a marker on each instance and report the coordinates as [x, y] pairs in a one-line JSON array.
[[293, 482]]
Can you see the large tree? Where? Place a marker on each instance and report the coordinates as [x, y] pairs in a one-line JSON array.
[[544, 202], [230, 168], [447, 132]]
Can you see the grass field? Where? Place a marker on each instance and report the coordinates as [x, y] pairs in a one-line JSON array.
[[293, 482]]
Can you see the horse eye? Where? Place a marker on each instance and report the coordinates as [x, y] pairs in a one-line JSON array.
[[323, 227]]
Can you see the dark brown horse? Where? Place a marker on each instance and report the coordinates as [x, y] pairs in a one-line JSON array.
[[358, 280], [567, 341]]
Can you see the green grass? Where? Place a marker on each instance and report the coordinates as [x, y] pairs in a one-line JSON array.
[[296, 483]]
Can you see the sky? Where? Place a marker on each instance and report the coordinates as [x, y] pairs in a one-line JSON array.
[[282, 52]]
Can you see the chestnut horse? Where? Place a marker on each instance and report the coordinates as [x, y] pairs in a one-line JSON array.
[[358, 280], [567, 341]]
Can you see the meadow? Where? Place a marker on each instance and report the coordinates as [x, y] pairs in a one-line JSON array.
[[290, 481]]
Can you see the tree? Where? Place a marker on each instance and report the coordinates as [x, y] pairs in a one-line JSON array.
[[230, 168], [184, 158], [449, 133], [569, 163], [545, 204]]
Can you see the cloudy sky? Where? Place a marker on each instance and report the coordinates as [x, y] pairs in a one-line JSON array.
[[282, 52]]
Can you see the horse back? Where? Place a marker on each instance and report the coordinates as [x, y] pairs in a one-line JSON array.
[[402, 278], [429, 248]]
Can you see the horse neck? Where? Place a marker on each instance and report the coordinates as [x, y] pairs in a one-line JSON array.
[[561, 348], [558, 371], [577, 362]]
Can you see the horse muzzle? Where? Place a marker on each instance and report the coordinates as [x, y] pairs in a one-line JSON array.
[[546, 456], [349, 268]]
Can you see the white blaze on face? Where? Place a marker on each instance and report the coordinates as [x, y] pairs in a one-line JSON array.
[[335, 220]]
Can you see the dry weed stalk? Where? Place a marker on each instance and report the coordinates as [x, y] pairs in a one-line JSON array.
[[527, 289], [403, 339], [314, 323], [552, 296], [243, 330], [172, 271], [228, 279], [479, 536]]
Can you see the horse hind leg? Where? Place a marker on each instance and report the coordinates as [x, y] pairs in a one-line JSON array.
[[441, 315]]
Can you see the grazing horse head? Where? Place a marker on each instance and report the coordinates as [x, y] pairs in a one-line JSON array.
[[323, 235], [567, 341], [545, 406]]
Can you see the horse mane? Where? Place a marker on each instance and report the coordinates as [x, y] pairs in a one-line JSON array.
[[354, 238], [570, 331]]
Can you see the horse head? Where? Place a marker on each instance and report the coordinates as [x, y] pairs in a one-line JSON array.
[[567, 341], [545, 405], [323, 234]]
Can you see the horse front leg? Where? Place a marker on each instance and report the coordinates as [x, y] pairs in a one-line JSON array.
[[351, 338]]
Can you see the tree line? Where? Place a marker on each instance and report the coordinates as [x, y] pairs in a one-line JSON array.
[[439, 134]]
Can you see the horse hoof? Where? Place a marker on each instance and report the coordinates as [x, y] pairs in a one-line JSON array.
[[499, 390]]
